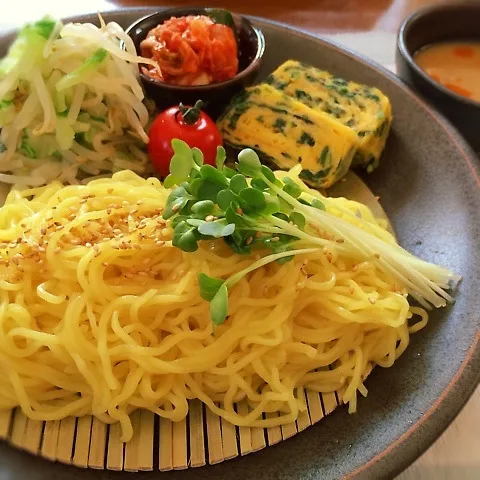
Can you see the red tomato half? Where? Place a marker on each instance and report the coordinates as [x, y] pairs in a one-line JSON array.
[[170, 124]]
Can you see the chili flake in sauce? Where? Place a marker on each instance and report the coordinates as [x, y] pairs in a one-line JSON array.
[[191, 50]]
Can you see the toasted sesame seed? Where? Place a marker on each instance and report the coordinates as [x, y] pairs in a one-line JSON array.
[[96, 247], [372, 300], [249, 240], [329, 257], [354, 268], [43, 231], [209, 218], [275, 239], [340, 240], [57, 250], [239, 211], [3, 245], [88, 244], [137, 246], [110, 190], [352, 290], [12, 245], [376, 255], [160, 243], [139, 202], [20, 268], [60, 227], [41, 249]]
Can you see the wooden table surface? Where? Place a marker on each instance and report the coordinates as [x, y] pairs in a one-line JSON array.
[[456, 455]]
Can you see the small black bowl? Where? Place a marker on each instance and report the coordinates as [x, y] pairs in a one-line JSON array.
[[251, 47], [441, 23]]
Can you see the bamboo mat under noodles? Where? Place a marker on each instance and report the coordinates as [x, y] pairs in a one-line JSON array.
[[158, 444]]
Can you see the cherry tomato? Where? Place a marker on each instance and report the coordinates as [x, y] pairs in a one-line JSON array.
[[189, 124]]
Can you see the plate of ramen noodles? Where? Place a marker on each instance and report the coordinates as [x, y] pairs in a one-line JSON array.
[[268, 267]]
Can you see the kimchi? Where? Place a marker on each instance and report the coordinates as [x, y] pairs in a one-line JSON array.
[[191, 50]]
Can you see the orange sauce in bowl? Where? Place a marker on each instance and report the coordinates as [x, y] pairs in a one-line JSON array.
[[455, 65]]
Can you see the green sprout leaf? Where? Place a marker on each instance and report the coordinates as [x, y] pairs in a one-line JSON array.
[[216, 229], [180, 168], [238, 183], [291, 187], [197, 156], [209, 286], [203, 208], [252, 200], [268, 174], [208, 189], [298, 219], [225, 199], [318, 204], [249, 163], [219, 305], [185, 237], [213, 174], [177, 199], [220, 157]]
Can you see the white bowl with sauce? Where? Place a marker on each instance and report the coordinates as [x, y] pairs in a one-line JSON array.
[[438, 54]]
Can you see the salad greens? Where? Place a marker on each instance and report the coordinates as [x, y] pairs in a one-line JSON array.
[[252, 209]]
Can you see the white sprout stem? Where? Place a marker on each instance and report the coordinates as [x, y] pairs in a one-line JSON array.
[[230, 282], [422, 279]]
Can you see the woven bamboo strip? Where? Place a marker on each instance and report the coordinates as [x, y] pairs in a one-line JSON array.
[[289, 430], [50, 440], [5, 419], [329, 401], [197, 439], [130, 463], [145, 444], [96, 456], [229, 439], [303, 420], [315, 409], [165, 445], [274, 434], [82, 441], [19, 425], [214, 437], [245, 433], [66, 438], [179, 445], [258, 438], [33, 436], [115, 447]]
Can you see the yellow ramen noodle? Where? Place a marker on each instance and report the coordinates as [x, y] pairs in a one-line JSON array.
[[100, 315]]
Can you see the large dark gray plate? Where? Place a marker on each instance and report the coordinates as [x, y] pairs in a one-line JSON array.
[[430, 188]]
